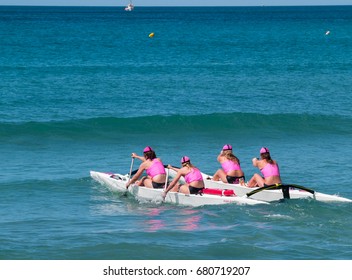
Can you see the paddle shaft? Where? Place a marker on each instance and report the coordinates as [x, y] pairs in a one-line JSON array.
[[167, 178], [135, 171], [132, 161]]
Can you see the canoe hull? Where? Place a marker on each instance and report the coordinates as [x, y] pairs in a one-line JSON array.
[[117, 183]]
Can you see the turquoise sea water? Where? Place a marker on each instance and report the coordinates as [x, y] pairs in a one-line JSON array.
[[82, 88]]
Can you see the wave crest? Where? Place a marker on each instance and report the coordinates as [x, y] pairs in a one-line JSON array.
[[210, 123]]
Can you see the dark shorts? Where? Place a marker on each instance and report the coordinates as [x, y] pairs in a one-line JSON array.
[[193, 190], [234, 180], [158, 185]]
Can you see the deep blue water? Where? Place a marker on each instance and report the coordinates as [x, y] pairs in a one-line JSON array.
[[82, 88]]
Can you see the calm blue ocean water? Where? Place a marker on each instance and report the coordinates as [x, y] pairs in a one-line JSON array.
[[82, 88]]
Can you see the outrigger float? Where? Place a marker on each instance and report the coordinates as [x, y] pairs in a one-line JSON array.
[[274, 192]]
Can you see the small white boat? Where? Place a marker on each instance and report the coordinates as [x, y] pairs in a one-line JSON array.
[[274, 192], [117, 183], [129, 7]]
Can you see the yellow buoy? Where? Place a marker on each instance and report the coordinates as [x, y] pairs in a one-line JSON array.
[[151, 35]]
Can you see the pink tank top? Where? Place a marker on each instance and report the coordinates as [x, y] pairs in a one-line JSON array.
[[156, 168], [270, 170], [229, 165], [193, 175]]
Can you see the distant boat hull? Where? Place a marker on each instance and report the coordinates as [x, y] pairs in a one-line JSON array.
[[129, 8]]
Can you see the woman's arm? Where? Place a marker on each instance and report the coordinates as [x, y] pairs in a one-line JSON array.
[[136, 176], [173, 168], [134, 155], [255, 162], [174, 182], [221, 156]]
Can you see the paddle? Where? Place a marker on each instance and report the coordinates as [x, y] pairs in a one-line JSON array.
[[167, 176], [132, 161], [165, 186], [135, 171]]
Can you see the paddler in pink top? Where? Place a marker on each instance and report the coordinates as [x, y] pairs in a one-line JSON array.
[[193, 177], [268, 167], [154, 168], [231, 171]]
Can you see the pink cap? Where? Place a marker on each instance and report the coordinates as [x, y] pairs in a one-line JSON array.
[[147, 149], [227, 147], [185, 159], [264, 150]]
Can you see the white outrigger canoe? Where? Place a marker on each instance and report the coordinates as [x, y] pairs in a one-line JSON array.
[[274, 192], [117, 183]]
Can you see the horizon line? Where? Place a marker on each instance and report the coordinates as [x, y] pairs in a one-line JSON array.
[[156, 6]]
